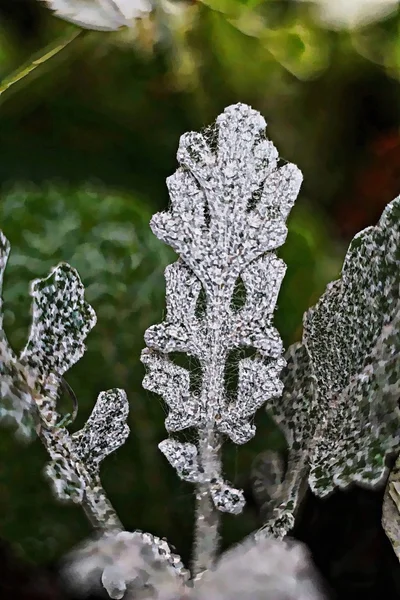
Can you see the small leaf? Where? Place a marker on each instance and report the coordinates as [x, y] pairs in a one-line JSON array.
[[183, 458], [61, 320], [105, 430], [226, 498]]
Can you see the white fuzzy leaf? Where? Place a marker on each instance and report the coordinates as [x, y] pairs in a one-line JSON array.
[[351, 13], [339, 409], [229, 203], [264, 570], [105, 430], [103, 15], [124, 561]]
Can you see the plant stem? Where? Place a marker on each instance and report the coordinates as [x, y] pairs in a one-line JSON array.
[[97, 508], [39, 59], [209, 444], [207, 516]]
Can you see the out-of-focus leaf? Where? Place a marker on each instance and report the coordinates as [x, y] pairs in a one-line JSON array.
[[380, 44], [350, 13], [300, 48], [102, 15]]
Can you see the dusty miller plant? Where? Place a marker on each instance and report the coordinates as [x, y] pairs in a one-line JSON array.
[[339, 409], [335, 394]]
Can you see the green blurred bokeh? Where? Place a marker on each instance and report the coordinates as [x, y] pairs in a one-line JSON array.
[[86, 142]]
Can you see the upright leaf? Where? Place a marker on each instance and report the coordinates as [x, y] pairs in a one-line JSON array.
[[339, 409], [229, 203], [352, 337]]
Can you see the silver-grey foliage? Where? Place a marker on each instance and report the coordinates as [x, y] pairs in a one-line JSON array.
[[30, 387], [339, 409], [334, 395], [229, 204]]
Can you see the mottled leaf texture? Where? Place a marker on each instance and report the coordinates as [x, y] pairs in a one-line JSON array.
[[183, 457], [106, 429], [229, 203], [296, 411], [339, 410], [29, 386], [74, 469], [353, 339], [16, 402], [61, 320]]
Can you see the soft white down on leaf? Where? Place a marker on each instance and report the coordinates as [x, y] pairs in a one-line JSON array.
[[266, 569], [103, 15], [230, 198], [352, 13], [132, 569], [137, 562], [229, 202]]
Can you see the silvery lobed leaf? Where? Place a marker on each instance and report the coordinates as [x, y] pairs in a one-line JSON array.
[[105, 430], [30, 386], [225, 497], [183, 457], [229, 203], [339, 410], [103, 15], [353, 340], [75, 459], [61, 321]]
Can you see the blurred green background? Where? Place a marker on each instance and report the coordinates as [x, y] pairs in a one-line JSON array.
[[86, 142]]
